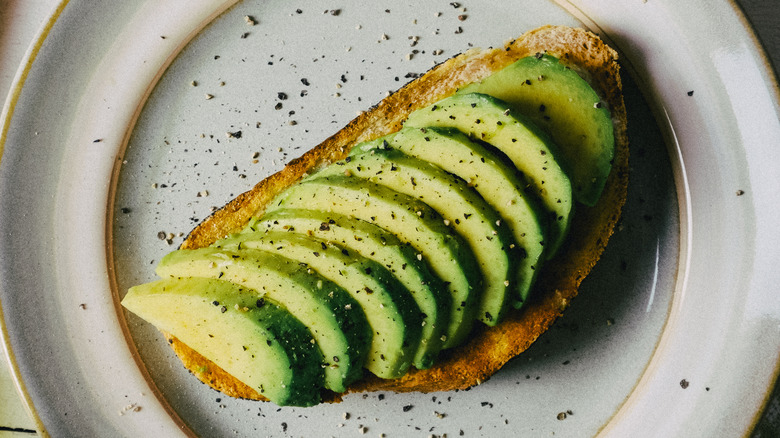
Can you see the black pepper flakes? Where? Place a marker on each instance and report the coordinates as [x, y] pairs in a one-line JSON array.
[[684, 384], [690, 93], [408, 408]]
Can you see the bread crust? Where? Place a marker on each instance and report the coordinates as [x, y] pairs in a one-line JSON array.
[[488, 349]]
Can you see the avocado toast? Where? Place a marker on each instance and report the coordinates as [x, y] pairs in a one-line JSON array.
[[530, 244]]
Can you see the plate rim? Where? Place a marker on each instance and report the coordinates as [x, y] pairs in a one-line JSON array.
[[6, 116]]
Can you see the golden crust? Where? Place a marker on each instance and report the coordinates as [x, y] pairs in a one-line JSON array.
[[488, 349]]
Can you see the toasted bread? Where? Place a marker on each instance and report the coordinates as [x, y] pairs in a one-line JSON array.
[[488, 349]]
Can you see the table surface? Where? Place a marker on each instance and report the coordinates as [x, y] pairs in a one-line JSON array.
[[19, 23]]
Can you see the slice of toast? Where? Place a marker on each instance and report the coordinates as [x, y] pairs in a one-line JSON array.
[[488, 349]]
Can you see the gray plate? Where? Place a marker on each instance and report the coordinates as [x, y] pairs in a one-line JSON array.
[[119, 146]]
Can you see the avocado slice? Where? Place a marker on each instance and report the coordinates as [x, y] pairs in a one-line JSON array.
[[256, 340], [460, 207], [413, 222], [376, 244], [498, 184], [562, 103], [334, 318], [488, 119], [390, 309]]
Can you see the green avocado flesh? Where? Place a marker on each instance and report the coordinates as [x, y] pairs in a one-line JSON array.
[[490, 120], [460, 207], [383, 260], [257, 340], [559, 101], [390, 309], [335, 319], [385, 248], [413, 222], [495, 181]]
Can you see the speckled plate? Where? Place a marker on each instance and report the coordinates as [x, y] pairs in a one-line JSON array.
[[131, 122]]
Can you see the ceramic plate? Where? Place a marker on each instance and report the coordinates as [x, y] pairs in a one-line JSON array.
[[130, 123]]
